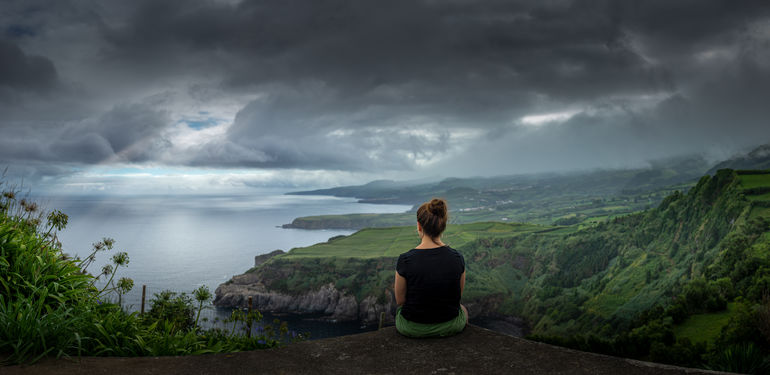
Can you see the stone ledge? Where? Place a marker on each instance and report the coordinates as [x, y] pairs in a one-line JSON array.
[[475, 351]]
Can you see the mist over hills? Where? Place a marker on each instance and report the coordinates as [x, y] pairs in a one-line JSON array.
[[545, 198], [758, 158], [660, 173]]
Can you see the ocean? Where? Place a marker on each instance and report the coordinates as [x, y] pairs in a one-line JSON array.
[[179, 243]]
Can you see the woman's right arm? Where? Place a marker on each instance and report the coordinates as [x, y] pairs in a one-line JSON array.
[[400, 289], [462, 283]]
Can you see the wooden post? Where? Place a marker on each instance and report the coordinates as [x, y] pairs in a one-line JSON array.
[[144, 292], [382, 317], [248, 317]]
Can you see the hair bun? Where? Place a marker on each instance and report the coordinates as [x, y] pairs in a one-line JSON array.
[[432, 217], [437, 207]]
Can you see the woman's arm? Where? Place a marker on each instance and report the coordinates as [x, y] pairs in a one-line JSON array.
[[400, 289], [462, 283]]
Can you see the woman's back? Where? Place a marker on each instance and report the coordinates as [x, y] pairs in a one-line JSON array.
[[433, 287]]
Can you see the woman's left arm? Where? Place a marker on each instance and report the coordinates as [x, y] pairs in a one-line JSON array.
[[462, 283], [400, 289]]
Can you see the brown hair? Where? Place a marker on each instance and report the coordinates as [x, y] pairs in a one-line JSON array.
[[432, 217]]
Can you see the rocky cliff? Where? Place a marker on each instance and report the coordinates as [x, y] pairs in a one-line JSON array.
[[328, 301], [263, 284], [333, 304]]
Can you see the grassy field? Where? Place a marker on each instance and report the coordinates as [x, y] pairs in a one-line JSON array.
[[704, 327], [749, 181], [759, 211], [390, 242], [752, 181], [760, 197]]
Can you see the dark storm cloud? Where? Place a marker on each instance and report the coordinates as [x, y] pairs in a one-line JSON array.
[[126, 133], [444, 52], [294, 127], [395, 85], [562, 45], [21, 71], [130, 130]]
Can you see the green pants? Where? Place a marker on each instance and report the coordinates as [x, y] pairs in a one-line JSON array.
[[414, 329]]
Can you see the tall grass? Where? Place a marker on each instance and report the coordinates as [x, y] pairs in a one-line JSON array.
[[743, 358], [43, 292]]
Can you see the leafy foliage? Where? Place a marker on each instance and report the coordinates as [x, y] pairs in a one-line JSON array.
[[174, 309], [741, 358]]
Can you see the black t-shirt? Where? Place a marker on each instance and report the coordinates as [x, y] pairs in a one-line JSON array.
[[432, 284]]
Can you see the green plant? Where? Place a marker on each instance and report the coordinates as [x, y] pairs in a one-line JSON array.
[[120, 259], [43, 292], [202, 295], [741, 358], [173, 308]]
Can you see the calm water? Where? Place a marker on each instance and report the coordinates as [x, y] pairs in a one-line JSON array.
[[182, 242]]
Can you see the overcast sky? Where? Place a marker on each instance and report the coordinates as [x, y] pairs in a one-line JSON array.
[[119, 94]]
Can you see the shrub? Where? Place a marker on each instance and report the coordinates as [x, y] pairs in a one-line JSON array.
[[172, 308]]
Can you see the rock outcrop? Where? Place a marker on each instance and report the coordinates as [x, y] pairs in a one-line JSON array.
[[327, 301], [474, 351], [333, 304]]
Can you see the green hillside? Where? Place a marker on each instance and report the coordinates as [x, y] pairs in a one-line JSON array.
[[635, 275], [614, 269]]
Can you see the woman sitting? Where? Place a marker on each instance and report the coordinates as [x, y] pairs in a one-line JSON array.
[[430, 279]]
